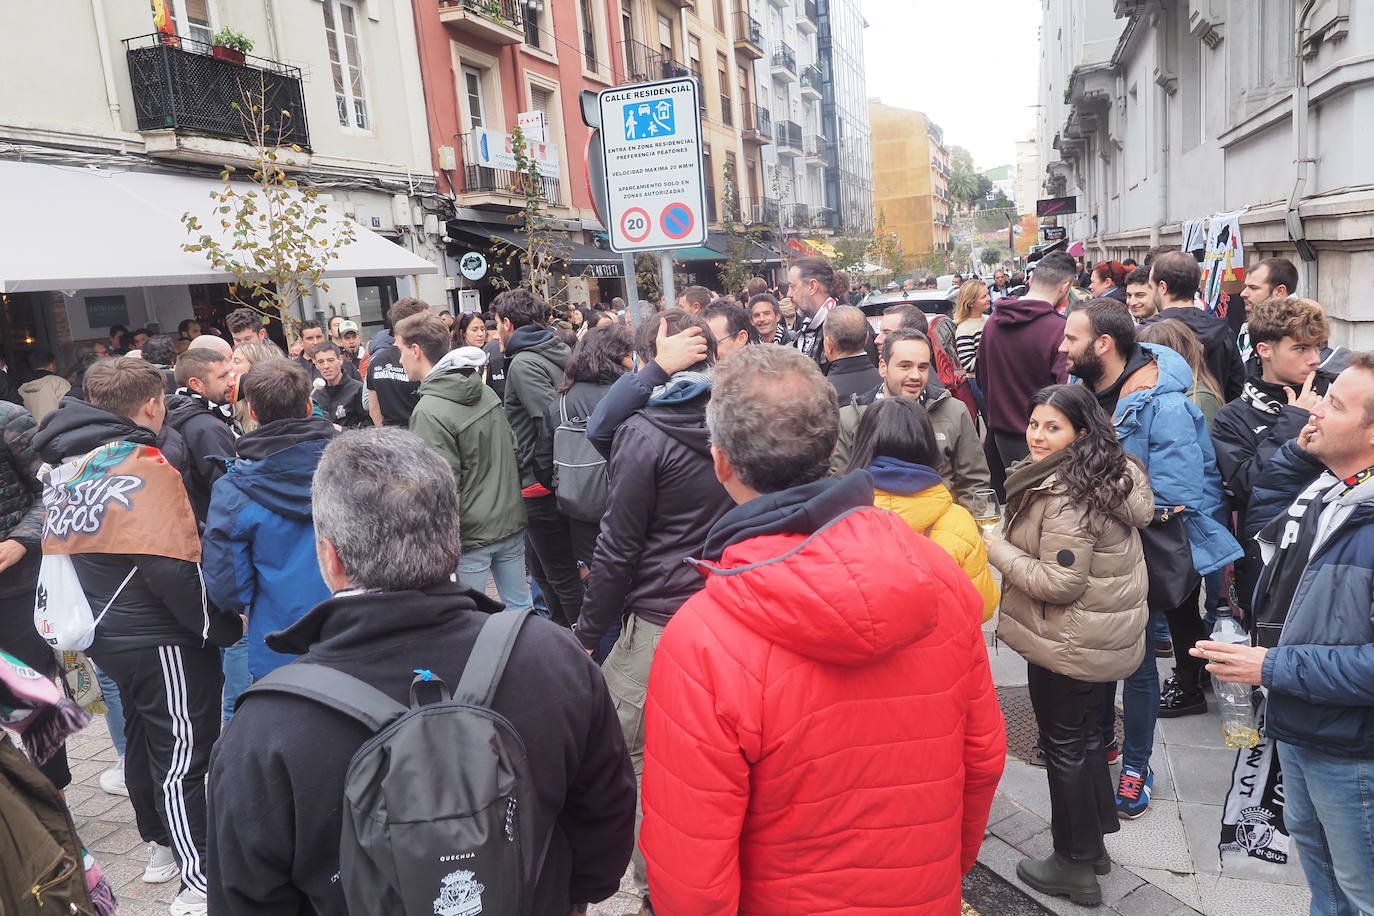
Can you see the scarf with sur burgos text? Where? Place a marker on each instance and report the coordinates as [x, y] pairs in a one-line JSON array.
[[120, 498]]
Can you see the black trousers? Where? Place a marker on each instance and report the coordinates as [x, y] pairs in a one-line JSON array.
[[1185, 627], [1011, 448], [172, 712], [550, 540], [1082, 803]]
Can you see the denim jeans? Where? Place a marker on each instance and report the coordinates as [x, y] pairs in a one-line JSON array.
[[550, 539], [1140, 706], [506, 561], [237, 677], [114, 710], [1327, 810]]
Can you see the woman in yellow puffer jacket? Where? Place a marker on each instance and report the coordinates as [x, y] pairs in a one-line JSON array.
[[895, 443]]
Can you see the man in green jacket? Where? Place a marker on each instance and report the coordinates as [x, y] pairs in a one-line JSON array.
[[905, 366], [460, 417]]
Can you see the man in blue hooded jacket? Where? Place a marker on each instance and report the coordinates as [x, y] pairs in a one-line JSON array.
[[1144, 389], [259, 544]]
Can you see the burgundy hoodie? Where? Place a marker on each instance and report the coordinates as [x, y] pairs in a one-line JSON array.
[[1019, 355]]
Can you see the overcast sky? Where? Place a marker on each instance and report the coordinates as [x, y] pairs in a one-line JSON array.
[[973, 66]]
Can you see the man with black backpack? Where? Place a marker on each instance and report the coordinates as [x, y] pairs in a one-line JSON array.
[[460, 417], [516, 796]]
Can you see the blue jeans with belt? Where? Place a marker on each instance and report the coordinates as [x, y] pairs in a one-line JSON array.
[[1327, 809]]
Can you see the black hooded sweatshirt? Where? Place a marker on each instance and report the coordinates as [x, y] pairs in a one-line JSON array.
[[204, 428], [164, 603], [288, 755], [664, 499]]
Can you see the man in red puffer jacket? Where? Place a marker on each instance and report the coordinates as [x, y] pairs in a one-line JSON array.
[[822, 734]]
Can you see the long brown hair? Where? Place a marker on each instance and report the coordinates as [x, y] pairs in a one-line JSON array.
[[813, 267], [1180, 338]]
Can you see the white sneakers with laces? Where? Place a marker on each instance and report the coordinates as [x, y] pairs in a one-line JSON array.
[[112, 780], [162, 865], [189, 903]]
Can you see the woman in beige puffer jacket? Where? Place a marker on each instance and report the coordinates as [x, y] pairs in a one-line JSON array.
[[1074, 605]]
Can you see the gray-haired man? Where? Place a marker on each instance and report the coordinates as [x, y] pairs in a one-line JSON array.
[[396, 609]]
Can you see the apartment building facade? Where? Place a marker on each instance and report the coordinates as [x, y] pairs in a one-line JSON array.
[[1160, 113], [911, 180], [107, 150]]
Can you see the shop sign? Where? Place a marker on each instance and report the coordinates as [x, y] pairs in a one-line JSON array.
[[604, 271], [473, 265], [495, 150]]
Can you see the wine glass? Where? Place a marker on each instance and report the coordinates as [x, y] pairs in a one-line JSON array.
[[986, 510]]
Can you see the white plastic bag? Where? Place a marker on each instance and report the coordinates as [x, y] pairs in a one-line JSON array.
[[61, 612]]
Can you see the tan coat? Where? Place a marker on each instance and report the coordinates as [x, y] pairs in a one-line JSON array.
[[1074, 603]]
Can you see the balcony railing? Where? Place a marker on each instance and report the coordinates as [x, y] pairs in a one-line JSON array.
[[764, 212], [788, 135], [811, 79], [784, 58], [826, 219], [701, 88], [481, 178], [797, 216], [756, 123], [641, 62], [710, 203], [498, 21], [726, 115], [807, 20], [817, 147], [748, 35], [177, 84]]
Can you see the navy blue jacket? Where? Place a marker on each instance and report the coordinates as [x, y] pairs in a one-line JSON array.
[[259, 543], [1321, 674]]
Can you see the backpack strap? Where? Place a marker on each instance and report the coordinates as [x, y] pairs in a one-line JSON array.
[[330, 687], [489, 655], [563, 408]]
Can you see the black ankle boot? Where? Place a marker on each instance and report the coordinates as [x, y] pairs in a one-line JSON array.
[[1061, 877]]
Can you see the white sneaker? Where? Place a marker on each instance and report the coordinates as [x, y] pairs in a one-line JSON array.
[[112, 780], [162, 865], [189, 903]]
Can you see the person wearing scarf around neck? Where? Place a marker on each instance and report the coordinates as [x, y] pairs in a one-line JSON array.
[[1074, 605]]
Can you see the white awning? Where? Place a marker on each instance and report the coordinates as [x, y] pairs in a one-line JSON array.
[[67, 227]]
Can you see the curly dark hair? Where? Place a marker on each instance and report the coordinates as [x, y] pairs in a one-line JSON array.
[[1094, 473]]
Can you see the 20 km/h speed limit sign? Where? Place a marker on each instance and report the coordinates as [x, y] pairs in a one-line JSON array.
[[651, 139]]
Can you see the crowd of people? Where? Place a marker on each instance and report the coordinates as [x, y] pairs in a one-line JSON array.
[[743, 556]]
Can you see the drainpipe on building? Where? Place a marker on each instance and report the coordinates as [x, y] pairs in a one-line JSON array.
[[271, 16], [1297, 233], [102, 41]]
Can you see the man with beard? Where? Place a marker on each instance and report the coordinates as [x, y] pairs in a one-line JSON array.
[[1144, 389]]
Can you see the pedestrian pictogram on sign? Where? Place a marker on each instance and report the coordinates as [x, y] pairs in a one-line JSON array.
[[635, 224], [649, 120], [677, 221]]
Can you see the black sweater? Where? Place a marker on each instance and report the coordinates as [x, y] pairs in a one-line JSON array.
[[277, 776]]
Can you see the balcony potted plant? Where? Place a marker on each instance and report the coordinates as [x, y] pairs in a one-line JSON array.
[[230, 45]]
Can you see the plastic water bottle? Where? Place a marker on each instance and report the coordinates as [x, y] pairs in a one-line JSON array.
[[1237, 715]]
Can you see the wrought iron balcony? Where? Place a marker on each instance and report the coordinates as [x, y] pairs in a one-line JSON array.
[[756, 123], [748, 35], [764, 212], [811, 81], [481, 179], [818, 149], [788, 136], [497, 21], [178, 85], [826, 219], [641, 62], [784, 58], [797, 216]]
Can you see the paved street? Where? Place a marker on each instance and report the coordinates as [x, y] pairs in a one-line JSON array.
[[1166, 861]]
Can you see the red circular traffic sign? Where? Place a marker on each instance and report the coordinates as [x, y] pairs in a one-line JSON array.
[[677, 221], [635, 225]]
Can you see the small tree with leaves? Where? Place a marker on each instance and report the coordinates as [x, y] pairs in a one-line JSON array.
[[544, 247], [740, 240], [274, 237], [886, 247], [990, 256]]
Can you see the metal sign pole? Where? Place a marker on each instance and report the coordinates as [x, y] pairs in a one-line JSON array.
[[632, 303], [665, 267]]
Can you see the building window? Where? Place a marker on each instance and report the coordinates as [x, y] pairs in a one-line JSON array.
[[720, 15], [531, 15], [472, 92], [192, 18], [723, 76], [588, 34], [346, 62], [665, 37]]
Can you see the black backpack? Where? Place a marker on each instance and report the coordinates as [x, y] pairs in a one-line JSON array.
[[580, 479], [439, 806]]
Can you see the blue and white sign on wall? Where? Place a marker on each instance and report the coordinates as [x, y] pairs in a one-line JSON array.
[[651, 140]]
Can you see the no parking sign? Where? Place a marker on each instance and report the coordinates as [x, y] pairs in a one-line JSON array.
[[651, 139]]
